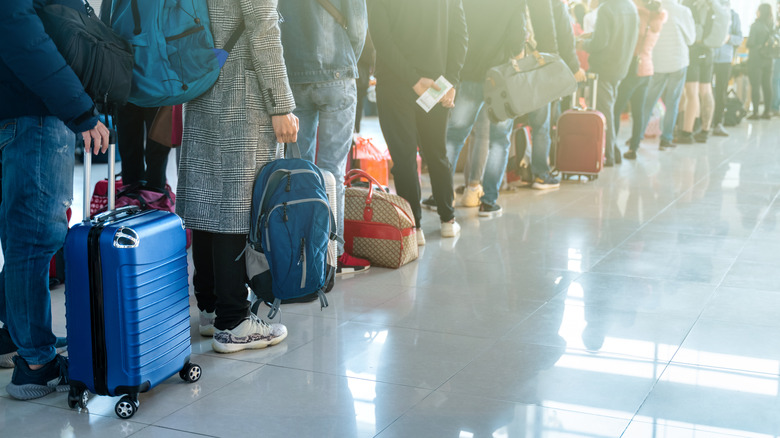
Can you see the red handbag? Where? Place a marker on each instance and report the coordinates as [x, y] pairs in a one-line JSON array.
[[378, 226]]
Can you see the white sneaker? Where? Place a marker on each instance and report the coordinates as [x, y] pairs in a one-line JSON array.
[[471, 195], [206, 325], [450, 229], [420, 237], [250, 334]]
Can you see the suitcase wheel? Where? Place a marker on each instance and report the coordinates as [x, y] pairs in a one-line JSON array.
[[126, 407], [190, 373], [78, 397]]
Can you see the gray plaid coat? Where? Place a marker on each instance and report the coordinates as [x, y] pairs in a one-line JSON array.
[[228, 134]]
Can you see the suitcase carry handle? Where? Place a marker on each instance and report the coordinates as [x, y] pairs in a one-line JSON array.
[[119, 213], [111, 173]]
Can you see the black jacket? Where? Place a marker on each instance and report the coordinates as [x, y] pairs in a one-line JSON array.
[[496, 33], [418, 38], [614, 39], [34, 78], [759, 35], [553, 30]]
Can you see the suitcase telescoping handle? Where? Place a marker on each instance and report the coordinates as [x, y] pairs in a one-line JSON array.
[[594, 78], [111, 177]]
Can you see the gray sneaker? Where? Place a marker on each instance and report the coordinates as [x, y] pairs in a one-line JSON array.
[[252, 333]]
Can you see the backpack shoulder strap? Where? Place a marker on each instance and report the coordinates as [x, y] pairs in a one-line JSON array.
[[328, 6], [231, 42]]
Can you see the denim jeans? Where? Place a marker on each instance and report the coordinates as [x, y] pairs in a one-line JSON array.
[[326, 111], [37, 183], [475, 166], [539, 121], [468, 103], [632, 89], [669, 88], [776, 85]]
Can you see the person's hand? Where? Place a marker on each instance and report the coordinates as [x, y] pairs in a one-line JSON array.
[[285, 128], [97, 136], [448, 100], [424, 84], [581, 76]]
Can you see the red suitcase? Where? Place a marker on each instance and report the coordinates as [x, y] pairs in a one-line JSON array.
[[581, 138]]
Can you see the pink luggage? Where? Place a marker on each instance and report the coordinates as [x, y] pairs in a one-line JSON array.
[[581, 139]]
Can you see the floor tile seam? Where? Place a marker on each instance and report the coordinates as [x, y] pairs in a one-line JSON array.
[[173, 429], [643, 277], [644, 313], [421, 330], [612, 355], [647, 396], [539, 405], [687, 429], [343, 375], [744, 372], [670, 204], [403, 414]]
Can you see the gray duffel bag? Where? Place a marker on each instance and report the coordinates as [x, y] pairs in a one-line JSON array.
[[523, 85]]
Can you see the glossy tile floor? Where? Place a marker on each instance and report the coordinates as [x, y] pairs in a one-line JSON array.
[[643, 304]]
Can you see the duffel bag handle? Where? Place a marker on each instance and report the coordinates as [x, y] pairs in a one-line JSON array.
[[354, 174], [368, 212]]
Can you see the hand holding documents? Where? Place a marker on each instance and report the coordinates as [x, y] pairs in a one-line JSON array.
[[431, 97]]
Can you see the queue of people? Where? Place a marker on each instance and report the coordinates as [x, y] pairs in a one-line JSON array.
[[282, 85]]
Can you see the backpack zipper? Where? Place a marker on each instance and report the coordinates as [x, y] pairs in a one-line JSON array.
[[284, 205], [302, 259]]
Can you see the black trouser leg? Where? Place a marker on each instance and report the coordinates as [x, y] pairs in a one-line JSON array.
[[432, 132], [217, 270], [142, 159], [766, 85], [755, 73], [203, 278], [397, 119], [722, 75]]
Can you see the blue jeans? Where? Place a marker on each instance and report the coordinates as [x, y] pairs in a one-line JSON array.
[[326, 110], [776, 86], [539, 121], [667, 87], [37, 184], [468, 103], [475, 167]]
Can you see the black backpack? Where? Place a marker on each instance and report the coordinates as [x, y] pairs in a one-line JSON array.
[[735, 110], [101, 59]]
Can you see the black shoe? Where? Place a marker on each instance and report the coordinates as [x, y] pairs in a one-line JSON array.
[[701, 136], [666, 144], [430, 203], [489, 210], [27, 384], [630, 155], [609, 163], [684, 138], [766, 116], [618, 157], [754, 117]]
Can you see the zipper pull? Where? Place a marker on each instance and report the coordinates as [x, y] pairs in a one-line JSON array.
[[289, 181], [302, 252], [284, 212]]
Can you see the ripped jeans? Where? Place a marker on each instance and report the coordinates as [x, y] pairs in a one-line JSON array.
[[37, 158]]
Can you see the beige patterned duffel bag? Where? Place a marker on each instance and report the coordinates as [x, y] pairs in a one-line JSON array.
[[378, 226]]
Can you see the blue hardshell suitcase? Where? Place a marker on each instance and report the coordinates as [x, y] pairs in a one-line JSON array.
[[127, 303]]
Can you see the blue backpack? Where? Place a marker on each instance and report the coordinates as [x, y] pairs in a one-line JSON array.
[[291, 227], [175, 57]]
